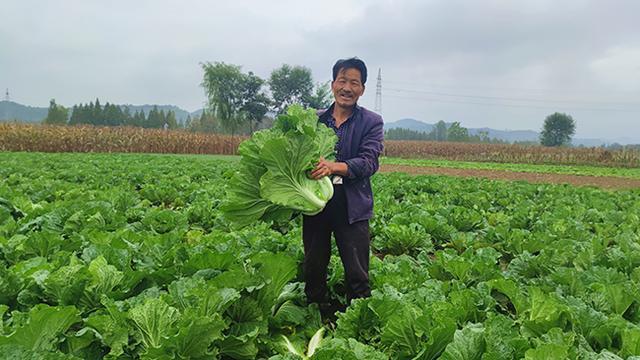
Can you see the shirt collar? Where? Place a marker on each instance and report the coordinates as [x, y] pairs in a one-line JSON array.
[[356, 110]]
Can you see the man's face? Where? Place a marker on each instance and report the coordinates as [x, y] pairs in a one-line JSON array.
[[347, 87]]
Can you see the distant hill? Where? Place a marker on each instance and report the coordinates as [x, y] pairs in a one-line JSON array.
[[508, 135], [411, 124], [10, 110]]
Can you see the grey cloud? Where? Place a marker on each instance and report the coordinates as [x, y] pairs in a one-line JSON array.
[[149, 52]]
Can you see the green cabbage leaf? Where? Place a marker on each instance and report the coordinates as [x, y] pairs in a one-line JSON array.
[[272, 182]]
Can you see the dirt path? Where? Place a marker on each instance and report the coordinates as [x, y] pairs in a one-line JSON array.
[[606, 182]]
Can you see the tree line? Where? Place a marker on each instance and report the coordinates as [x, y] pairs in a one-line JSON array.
[[96, 114], [442, 132], [238, 102]]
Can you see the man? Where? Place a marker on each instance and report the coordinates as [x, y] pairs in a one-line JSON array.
[[347, 214]]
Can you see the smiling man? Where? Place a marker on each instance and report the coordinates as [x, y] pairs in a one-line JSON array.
[[347, 214]]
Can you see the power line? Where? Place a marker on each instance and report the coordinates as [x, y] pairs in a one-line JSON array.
[[378, 106], [510, 98], [507, 105], [484, 88]]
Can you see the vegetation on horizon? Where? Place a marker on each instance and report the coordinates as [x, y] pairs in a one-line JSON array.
[[22, 137], [441, 132], [511, 153]]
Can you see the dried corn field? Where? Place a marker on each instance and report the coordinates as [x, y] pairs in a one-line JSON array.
[[19, 137], [22, 137], [506, 153]]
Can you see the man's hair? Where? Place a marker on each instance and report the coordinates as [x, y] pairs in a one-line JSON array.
[[351, 63]]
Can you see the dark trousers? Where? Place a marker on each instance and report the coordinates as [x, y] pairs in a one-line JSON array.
[[353, 246]]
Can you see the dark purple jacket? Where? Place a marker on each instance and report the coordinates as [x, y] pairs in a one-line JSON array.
[[360, 147]]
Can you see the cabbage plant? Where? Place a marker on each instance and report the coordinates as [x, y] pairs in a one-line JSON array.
[[272, 182]]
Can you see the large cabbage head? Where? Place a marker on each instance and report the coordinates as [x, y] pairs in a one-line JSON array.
[[272, 182]]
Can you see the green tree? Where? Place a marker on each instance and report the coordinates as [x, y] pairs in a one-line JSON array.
[[170, 120], [205, 123], [255, 103], [557, 130], [440, 131], [57, 114], [138, 119], [112, 115], [96, 114], [155, 119], [235, 99], [407, 134], [290, 84], [126, 116], [75, 115], [84, 115], [457, 133], [223, 84], [320, 98]]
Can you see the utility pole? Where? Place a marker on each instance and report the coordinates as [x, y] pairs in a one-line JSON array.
[[378, 107], [6, 95]]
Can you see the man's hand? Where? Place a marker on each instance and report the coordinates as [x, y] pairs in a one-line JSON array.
[[326, 168], [322, 169]]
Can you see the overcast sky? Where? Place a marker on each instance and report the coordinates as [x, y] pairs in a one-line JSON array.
[[501, 64]]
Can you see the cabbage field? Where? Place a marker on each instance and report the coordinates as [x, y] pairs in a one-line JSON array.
[[128, 256]]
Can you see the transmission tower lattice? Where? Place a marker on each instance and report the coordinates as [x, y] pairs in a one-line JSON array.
[[378, 107]]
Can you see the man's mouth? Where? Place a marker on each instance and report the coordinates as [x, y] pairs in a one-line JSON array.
[[346, 96]]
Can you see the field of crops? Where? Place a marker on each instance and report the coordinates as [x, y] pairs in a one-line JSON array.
[[20, 137], [505, 153], [581, 170], [127, 256]]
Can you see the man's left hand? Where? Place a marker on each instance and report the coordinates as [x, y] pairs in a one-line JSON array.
[[322, 169]]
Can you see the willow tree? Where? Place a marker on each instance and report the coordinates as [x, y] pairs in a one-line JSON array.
[[223, 86], [235, 99]]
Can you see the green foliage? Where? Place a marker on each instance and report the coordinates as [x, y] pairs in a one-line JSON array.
[[233, 97], [557, 130], [256, 103], [320, 98], [115, 115], [57, 114], [455, 132], [42, 329], [290, 85], [440, 131], [128, 256], [273, 179], [408, 134]]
